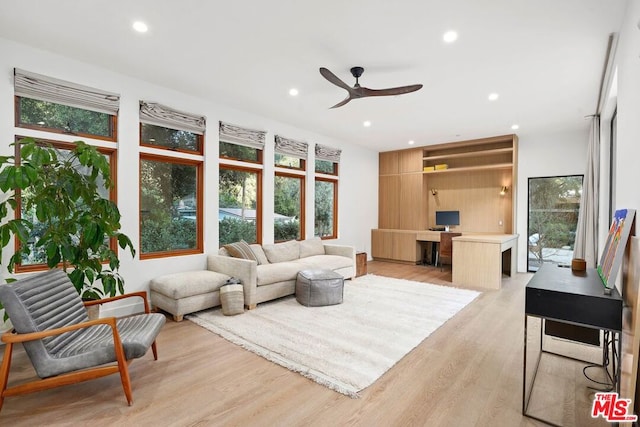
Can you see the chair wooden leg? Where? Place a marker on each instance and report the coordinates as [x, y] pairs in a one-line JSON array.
[[4, 370], [155, 350], [123, 367]]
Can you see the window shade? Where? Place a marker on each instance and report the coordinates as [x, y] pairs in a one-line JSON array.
[[160, 115], [242, 136], [291, 147], [44, 88], [327, 153]]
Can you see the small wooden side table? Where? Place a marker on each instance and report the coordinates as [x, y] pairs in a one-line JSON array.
[[361, 264]]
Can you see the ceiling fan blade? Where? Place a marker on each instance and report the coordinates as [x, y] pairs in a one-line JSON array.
[[334, 79], [341, 103], [391, 91]]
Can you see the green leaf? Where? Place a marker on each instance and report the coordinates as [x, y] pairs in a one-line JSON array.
[[7, 181]]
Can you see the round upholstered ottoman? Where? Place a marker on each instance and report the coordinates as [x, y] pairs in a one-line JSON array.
[[317, 288]]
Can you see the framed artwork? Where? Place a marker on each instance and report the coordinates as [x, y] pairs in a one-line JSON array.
[[611, 260]]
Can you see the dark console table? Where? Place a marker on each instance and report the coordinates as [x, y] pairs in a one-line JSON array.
[[578, 298]]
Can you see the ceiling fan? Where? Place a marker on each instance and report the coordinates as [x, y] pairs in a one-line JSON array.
[[358, 91]]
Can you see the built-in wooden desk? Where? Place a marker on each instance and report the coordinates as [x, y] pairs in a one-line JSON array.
[[480, 259]]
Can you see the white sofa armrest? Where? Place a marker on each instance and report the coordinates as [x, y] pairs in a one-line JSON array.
[[342, 250], [243, 269]]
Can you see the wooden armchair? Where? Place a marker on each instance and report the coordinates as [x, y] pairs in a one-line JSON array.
[[64, 346]]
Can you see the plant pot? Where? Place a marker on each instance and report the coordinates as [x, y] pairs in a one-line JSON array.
[[93, 311]]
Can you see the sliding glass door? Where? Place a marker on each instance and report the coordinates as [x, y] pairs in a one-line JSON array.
[[554, 203]]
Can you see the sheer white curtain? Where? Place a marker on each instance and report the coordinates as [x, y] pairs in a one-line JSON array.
[[586, 245]]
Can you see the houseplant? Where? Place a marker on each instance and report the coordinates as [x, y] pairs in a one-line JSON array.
[[59, 195]]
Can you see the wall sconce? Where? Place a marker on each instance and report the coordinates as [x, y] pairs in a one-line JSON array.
[[504, 190], [434, 191]]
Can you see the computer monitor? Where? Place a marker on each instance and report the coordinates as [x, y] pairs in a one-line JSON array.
[[447, 218]]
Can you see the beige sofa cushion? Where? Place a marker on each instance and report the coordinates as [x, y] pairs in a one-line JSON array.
[[330, 262], [259, 253], [282, 252], [278, 272], [188, 283], [311, 247]]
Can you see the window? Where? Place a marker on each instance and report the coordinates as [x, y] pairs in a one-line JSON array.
[[57, 106], [171, 181], [176, 140], [240, 185], [326, 166], [53, 107], [288, 216], [554, 203], [326, 225], [326, 192], [241, 144], [170, 206], [37, 259], [240, 213]]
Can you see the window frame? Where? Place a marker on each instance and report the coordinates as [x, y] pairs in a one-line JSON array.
[[113, 123], [334, 181], [302, 221], [336, 168], [530, 267], [200, 138], [243, 166], [65, 145], [199, 164]]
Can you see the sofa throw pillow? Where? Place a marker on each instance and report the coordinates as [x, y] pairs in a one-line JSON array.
[[281, 252], [311, 247], [240, 249], [259, 253]]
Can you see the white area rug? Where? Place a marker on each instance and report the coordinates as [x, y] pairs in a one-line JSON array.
[[345, 347]]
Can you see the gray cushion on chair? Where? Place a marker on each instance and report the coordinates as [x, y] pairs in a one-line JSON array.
[[48, 300]]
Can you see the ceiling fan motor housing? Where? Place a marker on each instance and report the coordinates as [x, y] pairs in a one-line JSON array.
[[357, 71]]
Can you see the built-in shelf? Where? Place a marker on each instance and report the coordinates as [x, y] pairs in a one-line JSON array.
[[495, 166], [469, 154]]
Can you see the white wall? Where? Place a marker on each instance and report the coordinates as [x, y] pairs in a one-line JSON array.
[[358, 195], [627, 63], [554, 154]]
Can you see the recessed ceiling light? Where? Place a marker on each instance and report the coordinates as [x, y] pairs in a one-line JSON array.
[[293, 91], [366, 123], [515, 127], [412, 142], [140, 27], [450, 36], [493, 96]]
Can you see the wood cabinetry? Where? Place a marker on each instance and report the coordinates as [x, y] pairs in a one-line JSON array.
[[411, 190], [395, 245], [482, 154], [400, 179]]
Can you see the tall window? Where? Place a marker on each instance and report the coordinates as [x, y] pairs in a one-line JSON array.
[[554, 203], [60, 111], [240, 186], [326, 192], [171, 187], [288, 215]]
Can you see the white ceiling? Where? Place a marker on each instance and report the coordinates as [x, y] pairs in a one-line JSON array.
[[543, 57]]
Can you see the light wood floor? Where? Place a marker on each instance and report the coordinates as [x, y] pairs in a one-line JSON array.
[[467, 373]]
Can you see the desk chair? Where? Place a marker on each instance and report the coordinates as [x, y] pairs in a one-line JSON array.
[[446, 246]]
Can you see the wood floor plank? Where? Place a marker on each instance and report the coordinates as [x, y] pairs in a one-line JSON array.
[[468, 372]]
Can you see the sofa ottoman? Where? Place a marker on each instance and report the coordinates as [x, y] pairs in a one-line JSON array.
[[186, 292], [317, 288]]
